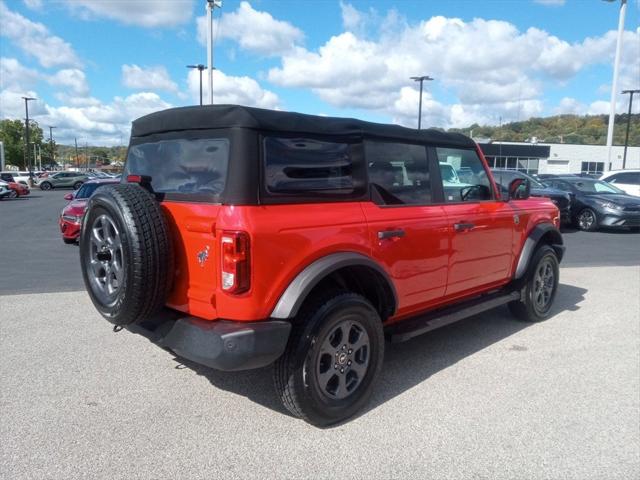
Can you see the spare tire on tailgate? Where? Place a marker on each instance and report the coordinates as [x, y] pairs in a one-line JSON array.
[[126, 253]]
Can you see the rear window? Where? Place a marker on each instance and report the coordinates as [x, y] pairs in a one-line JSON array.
[[305, 165], [182, 166]]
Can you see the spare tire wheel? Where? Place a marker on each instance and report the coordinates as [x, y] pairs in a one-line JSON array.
[[126, 253]]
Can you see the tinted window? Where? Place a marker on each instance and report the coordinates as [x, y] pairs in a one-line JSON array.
[[628, 178], [87, 190], [464, 178], [182, 166], [305, 165], [398, 172]]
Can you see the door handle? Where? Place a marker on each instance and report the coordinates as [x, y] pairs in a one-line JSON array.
[[461, 227], [384, 234]]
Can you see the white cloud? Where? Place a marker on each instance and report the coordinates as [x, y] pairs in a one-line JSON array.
[[33, 4], [551, 3], [15, 76], [253, 30], [73, 80], [35, 39], [90, 120], [230, 89], [144, 13], [147, 78], [489, 67]]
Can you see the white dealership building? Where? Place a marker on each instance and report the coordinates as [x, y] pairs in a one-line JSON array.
[[558, 158]]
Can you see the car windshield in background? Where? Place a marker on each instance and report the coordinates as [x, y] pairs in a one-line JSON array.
[[87, 190], [593, 186], [181, 166]]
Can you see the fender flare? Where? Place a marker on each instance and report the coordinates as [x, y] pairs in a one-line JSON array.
[[297, 291], [532, 242]]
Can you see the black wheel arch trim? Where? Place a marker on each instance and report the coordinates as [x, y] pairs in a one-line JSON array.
[[532, 242], [300, 287]]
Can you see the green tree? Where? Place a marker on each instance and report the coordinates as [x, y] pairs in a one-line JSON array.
[[12, 135]]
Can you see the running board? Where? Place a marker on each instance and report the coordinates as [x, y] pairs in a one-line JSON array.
[[407, 329]]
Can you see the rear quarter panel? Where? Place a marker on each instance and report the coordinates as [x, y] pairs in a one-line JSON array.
[[284, 240]]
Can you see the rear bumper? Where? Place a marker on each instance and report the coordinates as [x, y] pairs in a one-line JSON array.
[[221, 344]]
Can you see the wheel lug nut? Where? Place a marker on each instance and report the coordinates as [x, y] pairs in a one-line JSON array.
[[342, 370], [350, 351], [349, 362], [335, 367], [344, 347]]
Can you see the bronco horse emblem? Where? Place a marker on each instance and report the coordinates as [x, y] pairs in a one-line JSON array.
[[203, 256]]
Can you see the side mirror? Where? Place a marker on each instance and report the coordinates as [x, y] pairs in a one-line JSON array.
[[68, 196], [519, 189]]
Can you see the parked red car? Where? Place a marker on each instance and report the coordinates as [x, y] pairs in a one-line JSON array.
[[71, 216], [17, 189]]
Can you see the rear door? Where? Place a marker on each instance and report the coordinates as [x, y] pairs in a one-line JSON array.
[[480, 224], [408, 233], [627, 181]]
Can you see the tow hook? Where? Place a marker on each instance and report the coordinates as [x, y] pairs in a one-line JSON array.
[[117, 328]]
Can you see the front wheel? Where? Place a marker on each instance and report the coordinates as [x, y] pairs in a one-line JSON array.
[[13, 194], [333, 358], [540, 288], [587, 220]]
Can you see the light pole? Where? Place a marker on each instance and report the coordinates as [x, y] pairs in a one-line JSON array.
[[626, 137], [77, 159], [211, 5], [53, 153], [421, 80], [200, 68], [26, 130], [614, 85]]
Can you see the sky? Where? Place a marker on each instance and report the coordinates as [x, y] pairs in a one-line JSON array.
[[96, 65]]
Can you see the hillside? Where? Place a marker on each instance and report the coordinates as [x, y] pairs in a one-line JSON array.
[[582, 130]]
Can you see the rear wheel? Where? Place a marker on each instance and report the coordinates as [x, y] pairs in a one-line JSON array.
[[77, 185], [46, 186], [332, 360], [540, 289], [13, 194], [587, 220]]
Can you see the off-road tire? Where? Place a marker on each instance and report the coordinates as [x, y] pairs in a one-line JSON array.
[[46, 186], [295, 372], [527, 309], [143, 245]]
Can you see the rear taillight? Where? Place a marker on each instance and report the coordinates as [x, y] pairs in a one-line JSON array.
[[235, 260]]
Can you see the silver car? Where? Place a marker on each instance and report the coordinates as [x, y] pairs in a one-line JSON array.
[[63, 179]]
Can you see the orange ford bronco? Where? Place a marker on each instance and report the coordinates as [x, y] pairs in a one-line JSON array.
[[243, 237]]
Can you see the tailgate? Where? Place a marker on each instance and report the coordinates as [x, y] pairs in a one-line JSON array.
[[192, 227]]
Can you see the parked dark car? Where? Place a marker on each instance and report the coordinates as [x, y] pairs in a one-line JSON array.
[[596, 204], [561, 199]]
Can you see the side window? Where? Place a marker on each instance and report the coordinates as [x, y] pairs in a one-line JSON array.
[[464, 178], [398, 173], [562, 186], [627, 178], [305, 165]]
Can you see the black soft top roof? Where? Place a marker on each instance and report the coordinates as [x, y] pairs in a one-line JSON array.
[[227, 116]]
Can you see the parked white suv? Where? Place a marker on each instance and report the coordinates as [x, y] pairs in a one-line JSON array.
[[18, 177], [627, 180]]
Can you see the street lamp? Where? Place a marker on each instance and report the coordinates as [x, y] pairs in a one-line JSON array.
[[26, 129], [53, 153], [200, 68], [614, 85], [211, 5], [421, 80], [626, 137]]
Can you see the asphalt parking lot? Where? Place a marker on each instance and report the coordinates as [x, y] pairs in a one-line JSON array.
[[487, 397]]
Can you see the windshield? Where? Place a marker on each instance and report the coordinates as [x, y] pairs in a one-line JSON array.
[[594, 186], [182, 166]]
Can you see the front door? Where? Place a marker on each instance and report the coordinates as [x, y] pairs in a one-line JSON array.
[[409, 235], [481, 225]]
